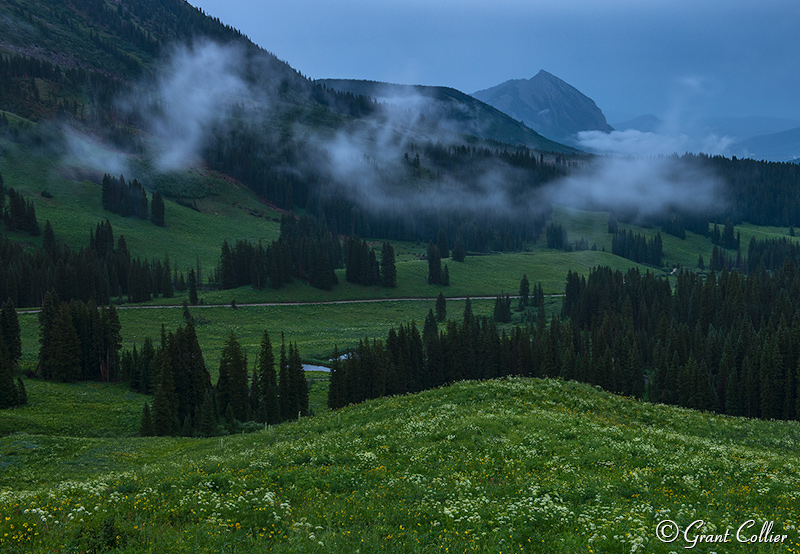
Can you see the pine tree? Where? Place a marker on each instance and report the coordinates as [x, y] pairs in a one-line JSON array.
[[431, 329], [232, 385], [157, 210], [162, 414], [268, 407], [48, 316], [502, 309], [285, 391], [110, 343], [524, 291], [146, 426], [166, 281], [227, 268], [8, 390], [9, 326], [388, 266], [206, 423], [66, 349], [192, 284], [299, 380], [49, 239], [441, 308]]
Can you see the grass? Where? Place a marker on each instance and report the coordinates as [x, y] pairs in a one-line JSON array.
[[76, 209], [316, 329], [514, 465], [77, 410]]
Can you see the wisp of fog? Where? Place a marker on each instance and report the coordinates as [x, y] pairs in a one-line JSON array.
[[195, 88]]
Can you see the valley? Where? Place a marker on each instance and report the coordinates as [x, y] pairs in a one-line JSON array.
[[527, 347]]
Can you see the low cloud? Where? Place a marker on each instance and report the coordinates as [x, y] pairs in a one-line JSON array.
[[640, 186], [194, 89], [631, 142], [81, 150]]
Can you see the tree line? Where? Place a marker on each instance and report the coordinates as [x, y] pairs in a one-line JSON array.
[[20, 213], [308, 251], [78, 341], [100, 271], [186, 403], [130, 199], [638, 247], [12, 391], [727, 344]]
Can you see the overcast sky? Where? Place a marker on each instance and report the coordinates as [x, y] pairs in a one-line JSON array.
[[671, 58]]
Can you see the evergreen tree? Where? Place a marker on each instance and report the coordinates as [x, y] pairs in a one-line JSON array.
[[48, 317], [66, 352], [146, 426], [157, 210], [268, 406], [9, 395], [9, 326], [434, 265], [524, 291], [207, 423], [110, 343], [227, 268], [192, 284], [232, 384], [49, 239], [299, 381], [502, 309], [441, 308], [285, 388], [163, 416], [388, 267]]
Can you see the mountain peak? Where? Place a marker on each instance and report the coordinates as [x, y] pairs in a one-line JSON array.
[[548, 105], [543, 73]]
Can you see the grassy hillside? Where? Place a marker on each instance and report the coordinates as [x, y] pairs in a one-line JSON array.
[[502, 466], [225, 210]]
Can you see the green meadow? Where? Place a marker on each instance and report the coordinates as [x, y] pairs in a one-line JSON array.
[[316, 328], [519, 465]]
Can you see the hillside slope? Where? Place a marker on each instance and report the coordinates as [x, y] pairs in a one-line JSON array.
[[445, 110], [499, 466]]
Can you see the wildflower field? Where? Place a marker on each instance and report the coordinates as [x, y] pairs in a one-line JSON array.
[[517, 465]]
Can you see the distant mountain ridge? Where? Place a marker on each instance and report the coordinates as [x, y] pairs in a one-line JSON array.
[[548, 105], [779, 147], [449, 111]]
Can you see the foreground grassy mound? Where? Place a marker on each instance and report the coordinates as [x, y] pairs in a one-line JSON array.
[[515, 465]]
